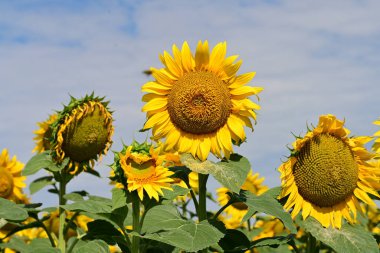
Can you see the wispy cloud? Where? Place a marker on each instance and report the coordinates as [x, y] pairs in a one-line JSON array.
[[311, 57]]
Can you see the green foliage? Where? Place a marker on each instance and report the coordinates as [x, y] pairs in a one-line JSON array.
[[267, 203], [40, 245], [348, 239], [12, 212], [42, 161], [163, 223], [97, 246], [230, 173], [40, 183]]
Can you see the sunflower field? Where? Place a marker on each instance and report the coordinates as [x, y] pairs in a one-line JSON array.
[[197, 109]]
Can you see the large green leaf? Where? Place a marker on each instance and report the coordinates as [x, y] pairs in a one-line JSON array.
[[40, 183], [348, 239], [267, 203], [93, 205], [97, 246], [163, 223], [231, 173], [12, 212], [40, 245], [177, 191], [119, 198], [42, 161]]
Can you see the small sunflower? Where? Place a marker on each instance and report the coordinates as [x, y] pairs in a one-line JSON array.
[[11, 181], [140, 168], [376, 144], [252, 184], [82, 132], [270, 227], [327, 173], [198, 103], [43, 134]]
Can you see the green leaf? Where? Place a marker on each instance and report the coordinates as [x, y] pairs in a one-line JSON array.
[[12, 212], [40, 183], [163, 223], [97, 246], [230, 173], [40, 245], [92, 205], [273, 242], [42, 161], [119, 198], [234, 240], [348, 239], [73, 197], [100, 229], [177, 191], [267, 203]]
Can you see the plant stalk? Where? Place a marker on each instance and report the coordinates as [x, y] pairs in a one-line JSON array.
[[136, 223], [202, 211], [62, 214]]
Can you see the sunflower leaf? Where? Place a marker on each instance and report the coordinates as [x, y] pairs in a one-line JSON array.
[[93, 205], [163, 223], [348, 239], [40, 183], [267, 203], [91, 246], [42, 161], [230, 173], [12, 212]]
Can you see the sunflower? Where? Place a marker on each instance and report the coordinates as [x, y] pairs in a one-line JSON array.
[[43, 134], [270, 227], [327, 173], [11, 181], [376, 144], [237, 210], [198, 103], [82, 132], [139, 167]]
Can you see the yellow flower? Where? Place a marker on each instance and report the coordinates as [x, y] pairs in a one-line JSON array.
[[43, 134], [11, 181], [198, 103], [270, 228], [327, 173], [237, 210], [142, 170], [376, 144], [82, 132]]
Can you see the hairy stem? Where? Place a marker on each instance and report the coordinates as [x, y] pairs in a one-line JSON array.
[[136, 223]]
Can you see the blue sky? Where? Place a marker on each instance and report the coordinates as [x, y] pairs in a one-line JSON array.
[[311, 57]]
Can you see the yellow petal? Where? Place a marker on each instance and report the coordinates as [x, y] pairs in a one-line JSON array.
[[202, 55], [187, 58], [155, 104]]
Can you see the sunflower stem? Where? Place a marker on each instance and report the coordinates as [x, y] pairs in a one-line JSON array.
[[311, 244], [202, 211], [62, 214], [202, 208], [136, 223]]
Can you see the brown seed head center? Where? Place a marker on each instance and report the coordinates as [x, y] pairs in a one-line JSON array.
[[326, 172], [199, 103]]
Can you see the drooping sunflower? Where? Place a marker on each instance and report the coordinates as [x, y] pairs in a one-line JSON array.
[[82, 132], [139, 167], [327, 173], [236, 211], [198, 103], [43, 134], [11, 181], [376, 144]]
